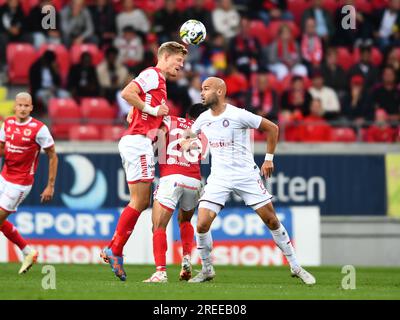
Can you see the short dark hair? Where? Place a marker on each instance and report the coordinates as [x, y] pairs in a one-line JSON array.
[[195, 110]]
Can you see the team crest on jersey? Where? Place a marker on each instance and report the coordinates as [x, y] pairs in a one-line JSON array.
[[27, 132], [9, 129], [225, 123]]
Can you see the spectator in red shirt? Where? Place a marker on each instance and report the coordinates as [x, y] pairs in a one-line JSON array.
[[263, 100], [296, 97], [315, 128], [311, 45], [381, 131], [237, 86]]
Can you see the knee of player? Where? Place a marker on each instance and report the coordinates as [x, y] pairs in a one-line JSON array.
[[202, 228], [184, 218], [158, 226], [139, 204], [273, 223]]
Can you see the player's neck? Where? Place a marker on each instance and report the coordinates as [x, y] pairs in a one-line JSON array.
[[162, 69], [22, 120], [218, 109]]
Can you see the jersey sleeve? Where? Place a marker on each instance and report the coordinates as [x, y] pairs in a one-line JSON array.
[[249, 120], [147, 80], [2, 133], [196, 126], [44, 138]]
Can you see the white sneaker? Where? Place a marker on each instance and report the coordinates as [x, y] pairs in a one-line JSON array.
[[158, 276], [204, 275], [304, 275], [28, 262], [186, 271]]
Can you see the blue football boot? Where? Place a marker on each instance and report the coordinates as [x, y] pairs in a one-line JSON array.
[[116, 263]]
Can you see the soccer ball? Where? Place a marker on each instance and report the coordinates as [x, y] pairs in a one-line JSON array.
[[192, 32]]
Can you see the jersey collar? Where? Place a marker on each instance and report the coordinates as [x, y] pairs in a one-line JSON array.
[[23, 123], [160, 73]]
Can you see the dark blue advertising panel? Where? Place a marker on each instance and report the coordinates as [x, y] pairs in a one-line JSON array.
[[338, 184]]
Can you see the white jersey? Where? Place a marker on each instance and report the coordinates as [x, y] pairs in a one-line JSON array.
[[229, 140]]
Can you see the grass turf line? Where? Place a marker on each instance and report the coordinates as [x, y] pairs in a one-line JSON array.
[[79, 282]]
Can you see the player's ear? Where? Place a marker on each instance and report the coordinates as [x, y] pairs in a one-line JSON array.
[[166, 56]]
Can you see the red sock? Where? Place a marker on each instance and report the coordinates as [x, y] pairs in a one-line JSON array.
[[126, 223], [187, 234], [160, 249], [13, 235]]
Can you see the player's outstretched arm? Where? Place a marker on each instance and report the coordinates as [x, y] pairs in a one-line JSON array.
[[131, 94], [48, 192], [272, 131]]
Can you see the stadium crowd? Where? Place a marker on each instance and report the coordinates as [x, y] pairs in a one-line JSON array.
[[292, 61]]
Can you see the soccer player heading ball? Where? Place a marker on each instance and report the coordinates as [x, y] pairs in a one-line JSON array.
[[147, 94]]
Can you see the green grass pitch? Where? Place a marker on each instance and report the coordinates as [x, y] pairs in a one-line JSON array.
[[82, 282]]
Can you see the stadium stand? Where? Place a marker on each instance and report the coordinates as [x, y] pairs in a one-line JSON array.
[[20, 57], [62, 114], [84, 132], [214, 57]]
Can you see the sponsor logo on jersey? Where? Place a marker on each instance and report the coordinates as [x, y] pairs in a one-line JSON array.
[[32, 124]]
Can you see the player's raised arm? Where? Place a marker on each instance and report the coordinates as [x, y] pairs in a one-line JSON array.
[[272, 131], [131, 94], [48, 192]]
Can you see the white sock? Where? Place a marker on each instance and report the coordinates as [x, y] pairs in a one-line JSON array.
[[27, 250], [204, 245], [281, 238]]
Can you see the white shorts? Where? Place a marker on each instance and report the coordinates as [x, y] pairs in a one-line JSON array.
[[11, 195], [177, 188], [137, 156], [250, 188]]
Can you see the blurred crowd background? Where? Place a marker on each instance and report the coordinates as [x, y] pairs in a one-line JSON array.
[[291, 61]]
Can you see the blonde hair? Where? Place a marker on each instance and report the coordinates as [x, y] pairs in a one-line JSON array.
[[172, 47], [23, 95]]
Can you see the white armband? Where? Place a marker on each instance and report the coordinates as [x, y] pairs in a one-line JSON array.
[[269, 157], [150, 110]]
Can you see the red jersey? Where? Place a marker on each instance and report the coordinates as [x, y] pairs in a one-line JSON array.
[[173, 159], [153, 91], [23, 142]]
